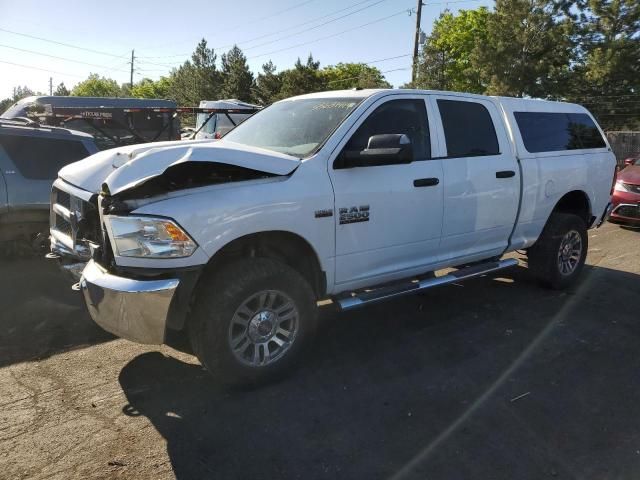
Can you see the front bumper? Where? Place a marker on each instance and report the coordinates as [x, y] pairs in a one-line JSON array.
[[626, 214], [137, 310]]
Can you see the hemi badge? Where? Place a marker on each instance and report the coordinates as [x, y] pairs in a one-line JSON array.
[[324, 213]]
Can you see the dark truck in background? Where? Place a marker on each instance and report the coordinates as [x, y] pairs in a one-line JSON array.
[[113, 122]]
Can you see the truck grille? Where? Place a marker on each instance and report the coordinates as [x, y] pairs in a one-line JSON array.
[[74, 223], [63, 198], [63, 226]]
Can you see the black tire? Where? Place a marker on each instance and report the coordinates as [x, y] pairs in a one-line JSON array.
[[544, 257], [217, 304]]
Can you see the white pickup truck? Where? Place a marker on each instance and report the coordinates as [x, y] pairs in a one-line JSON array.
[[357, 196]]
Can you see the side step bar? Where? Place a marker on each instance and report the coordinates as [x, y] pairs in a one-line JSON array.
[[385, 293]]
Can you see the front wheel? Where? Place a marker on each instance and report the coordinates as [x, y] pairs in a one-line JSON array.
[[251, 321], [557, 258]]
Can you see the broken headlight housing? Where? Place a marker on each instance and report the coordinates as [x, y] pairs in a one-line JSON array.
[[149, 237]]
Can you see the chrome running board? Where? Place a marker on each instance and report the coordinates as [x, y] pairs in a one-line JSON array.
[[385, 293]]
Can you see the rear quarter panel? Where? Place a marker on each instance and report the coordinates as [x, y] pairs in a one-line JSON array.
[[548, 176]]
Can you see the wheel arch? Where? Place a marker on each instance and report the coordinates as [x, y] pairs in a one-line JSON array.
[[576, 202], [288, 247]]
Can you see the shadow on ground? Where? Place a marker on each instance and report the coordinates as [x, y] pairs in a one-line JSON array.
[[494, 379], [39, 313]]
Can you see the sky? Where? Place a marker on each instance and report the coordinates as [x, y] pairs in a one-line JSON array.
[[76, 38]]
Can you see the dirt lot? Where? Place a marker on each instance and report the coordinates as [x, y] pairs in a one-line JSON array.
[[496, 379]]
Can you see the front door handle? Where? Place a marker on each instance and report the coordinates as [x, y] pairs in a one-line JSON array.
[[505, 174], [426, 182]]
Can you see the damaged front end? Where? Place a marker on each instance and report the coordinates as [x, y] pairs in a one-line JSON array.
[[133, 177], [74, 227], [181, 176]]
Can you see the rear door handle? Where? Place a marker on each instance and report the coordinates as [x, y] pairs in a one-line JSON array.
[[426, 182], [505, 174]]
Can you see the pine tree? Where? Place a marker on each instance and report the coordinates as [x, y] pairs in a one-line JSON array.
[[196, 79], [61, 90], [266, 88], [528, 49], [303, 78], [607, 78], [237, 79]]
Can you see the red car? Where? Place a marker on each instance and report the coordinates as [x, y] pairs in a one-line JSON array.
[[626, 194]]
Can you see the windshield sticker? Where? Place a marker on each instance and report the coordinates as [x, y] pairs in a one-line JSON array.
[[328, 105]]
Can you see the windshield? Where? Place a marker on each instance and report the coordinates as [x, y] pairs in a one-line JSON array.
[[211, 124], [294, 127], [220, 121], [16, 110]]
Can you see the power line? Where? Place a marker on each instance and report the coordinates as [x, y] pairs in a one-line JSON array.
[[303, 23], [385, 59], [249, 40], [274, 14], [360, 76], [304, 31], [58, 43], [315, 26], [248, 22], [276, 32], [55, 56], [41, 69], [403, 11]]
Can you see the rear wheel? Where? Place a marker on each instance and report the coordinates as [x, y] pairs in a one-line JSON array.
[[252, 320], [557, 258]]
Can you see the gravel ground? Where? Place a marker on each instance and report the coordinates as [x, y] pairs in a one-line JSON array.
[[493, 379]]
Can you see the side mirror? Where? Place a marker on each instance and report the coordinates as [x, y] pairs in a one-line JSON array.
[[386, 149], [628, 162]]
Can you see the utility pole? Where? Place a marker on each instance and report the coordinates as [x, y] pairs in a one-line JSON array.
[[51, 85], [131, 78], [414, 71]]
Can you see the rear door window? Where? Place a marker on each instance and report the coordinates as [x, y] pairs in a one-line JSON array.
[[468, 129], [556, 132], [40, 158]]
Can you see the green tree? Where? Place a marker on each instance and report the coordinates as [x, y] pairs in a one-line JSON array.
[[18, 94], [446, 59], [97, 86], [197, 79], [61, 90], [266, 88], [23, 92], [237, 79], [607, 75], [352, 75], [147, 88], [528, 49], [302, 78]]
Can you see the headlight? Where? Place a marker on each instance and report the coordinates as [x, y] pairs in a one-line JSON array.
[[621, 187], [149, 237]]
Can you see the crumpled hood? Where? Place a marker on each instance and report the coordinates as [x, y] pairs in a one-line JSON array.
[[125, 167]]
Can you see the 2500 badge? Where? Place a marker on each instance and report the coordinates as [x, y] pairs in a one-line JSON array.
[[354, 214]]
